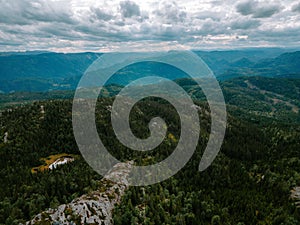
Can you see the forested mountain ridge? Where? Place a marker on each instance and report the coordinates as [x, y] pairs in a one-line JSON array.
[[45, 65], [257, 97], [287, 63], [43, 71], [248, 183], [270, 97], [46, 71]]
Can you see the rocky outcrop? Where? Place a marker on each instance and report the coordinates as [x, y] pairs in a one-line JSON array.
[[5, 140], [295, 195], [93, 208], [42, 109], [60, 161]]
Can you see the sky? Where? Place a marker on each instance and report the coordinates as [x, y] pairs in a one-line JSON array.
[[147, 25]]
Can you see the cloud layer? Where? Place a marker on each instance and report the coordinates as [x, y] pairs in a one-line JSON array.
[[258, 9], [92, 25]]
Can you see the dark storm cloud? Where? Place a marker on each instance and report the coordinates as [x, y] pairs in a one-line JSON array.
[[296, 8], [245, 8], [129, 9], [257, 9], [265, 12]]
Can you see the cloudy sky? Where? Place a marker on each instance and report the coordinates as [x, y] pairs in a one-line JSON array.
[[143, 25]]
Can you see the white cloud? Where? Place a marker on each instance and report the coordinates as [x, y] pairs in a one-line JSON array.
[[114, 25]]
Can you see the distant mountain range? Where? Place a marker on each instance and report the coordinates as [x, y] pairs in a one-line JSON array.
[[286, 65], [46, 71], [42, 71]]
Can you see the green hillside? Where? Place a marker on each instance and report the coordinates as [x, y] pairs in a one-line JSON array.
[[248, 183], [47, 71]]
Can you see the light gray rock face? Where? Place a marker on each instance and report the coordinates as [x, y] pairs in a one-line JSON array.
[[5, 140], [93, 208], [295, 195], [42, 109]]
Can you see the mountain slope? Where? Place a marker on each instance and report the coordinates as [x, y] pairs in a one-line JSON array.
[[248, 183], [285, 65], [56, 71], [93, 208], [41, 72]]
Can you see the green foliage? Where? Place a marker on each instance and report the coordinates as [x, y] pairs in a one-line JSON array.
[[248, 183]]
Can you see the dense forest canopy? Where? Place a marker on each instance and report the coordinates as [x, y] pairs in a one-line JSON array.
[[248, 183]]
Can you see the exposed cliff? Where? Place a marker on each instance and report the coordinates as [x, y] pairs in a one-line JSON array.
[[93, 208]]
